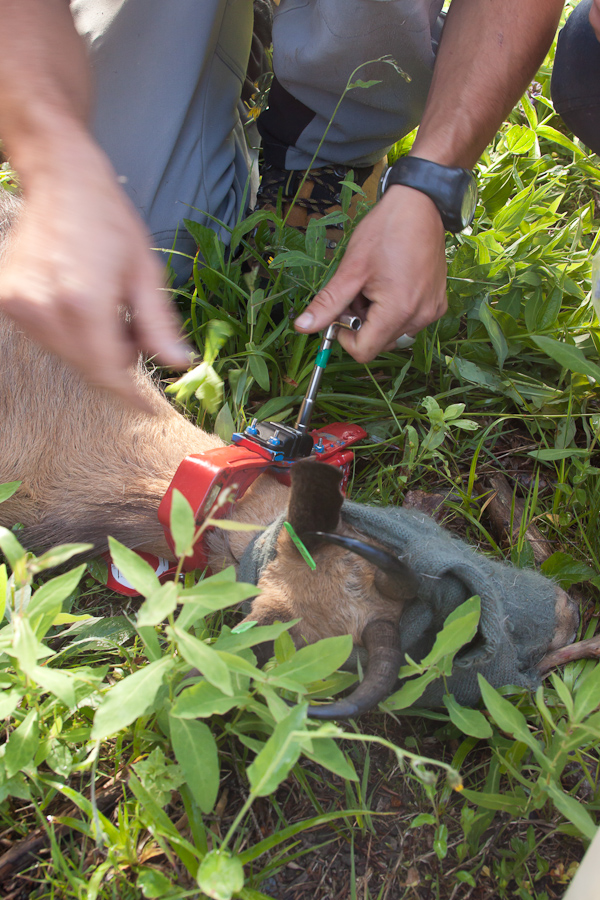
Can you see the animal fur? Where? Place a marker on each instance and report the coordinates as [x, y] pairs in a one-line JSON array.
[[91, 467]]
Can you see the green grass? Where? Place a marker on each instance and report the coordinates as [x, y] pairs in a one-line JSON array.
[[516, 357]]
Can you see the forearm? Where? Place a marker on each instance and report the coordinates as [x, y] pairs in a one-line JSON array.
[[489, 53], [595, 17], [44, 82]]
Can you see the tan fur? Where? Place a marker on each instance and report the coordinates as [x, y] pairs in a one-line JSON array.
[[91, 467], [338, 597]]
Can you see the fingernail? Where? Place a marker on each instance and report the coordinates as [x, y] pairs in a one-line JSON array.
[[305, 320]]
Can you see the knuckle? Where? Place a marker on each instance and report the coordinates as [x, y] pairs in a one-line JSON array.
[[323, 301]]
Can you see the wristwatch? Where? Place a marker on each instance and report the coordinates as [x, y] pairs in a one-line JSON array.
[[453, 190]]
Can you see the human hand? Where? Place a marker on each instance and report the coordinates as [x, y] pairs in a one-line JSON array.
[[595, 17], [77, 259], [393, 275]]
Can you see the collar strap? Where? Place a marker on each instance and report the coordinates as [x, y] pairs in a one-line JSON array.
[[203, 476]]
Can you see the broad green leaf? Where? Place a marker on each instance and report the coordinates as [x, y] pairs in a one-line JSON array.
[[235, 641], [512, 214], [440, 841], [423, 819], [224, 424], [158, 605], [566, 570], [60, 758], [295, 258], [495, 333], [259, 370], [410, 692], [510, 802], [69, 619], [216, 336], [10, 546], [317, 660], [136, 570], [61, 684], [196, 753], [281, 752], [8, 489], [284, 646], [276, 407], [550, 310], [202, 657], [469, 721], [26, 647], [131, 698], [98, 634], [53, 593], [9, 700], [473, 373], [572, 810], [187, 852], [549, 454], [203, 382], [58, 555], [98, 569], [326, 753], [203, 699], [237, 663], [153, 884], [220, 875], [520, 139], [231, 525], [183, 526], [568, 356], [506, 716], [557, 137], [459, 628], [22, 744], [212, 595], [587, 696]]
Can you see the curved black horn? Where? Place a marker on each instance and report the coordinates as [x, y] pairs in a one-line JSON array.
[[381, 640], [401, 582]]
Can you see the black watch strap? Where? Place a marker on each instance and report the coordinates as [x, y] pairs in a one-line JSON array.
[[453, 190]]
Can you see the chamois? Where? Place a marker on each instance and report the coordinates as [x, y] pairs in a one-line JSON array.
[[91, 467]]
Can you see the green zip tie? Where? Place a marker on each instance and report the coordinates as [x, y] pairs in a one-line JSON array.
[[322, 357], [300, 546]]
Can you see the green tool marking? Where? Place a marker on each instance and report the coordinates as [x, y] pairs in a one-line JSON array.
[[300, 547], [322, 357]]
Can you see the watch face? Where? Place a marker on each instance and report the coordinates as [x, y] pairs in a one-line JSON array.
[[469, 202]]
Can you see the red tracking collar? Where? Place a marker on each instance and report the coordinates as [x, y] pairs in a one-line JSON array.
[[202, 476]]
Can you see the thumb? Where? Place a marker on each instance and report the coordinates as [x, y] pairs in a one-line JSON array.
[[332, 300]]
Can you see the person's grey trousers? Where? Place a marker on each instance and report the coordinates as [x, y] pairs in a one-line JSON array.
[[169, 73]]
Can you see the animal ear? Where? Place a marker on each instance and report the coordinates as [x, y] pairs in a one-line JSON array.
[[315, 499]]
